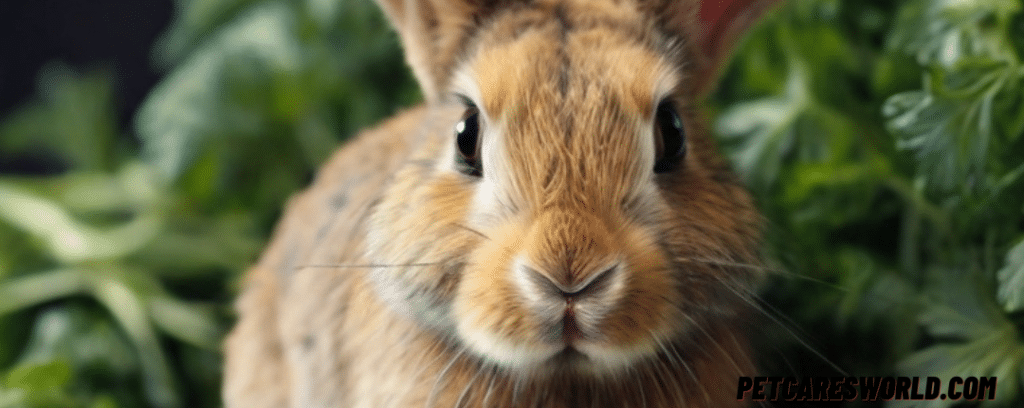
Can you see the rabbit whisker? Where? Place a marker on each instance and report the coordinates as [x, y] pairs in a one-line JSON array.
[[640, 387], [656, 372], [677, 392], [343, 266], [440, 376], [736, 344], [795, 332], [440, 349], [715, 342], [718, 345], [482, 235], [747, 298], [776, 271], [516, 390], [538, 394], [592, 391], [469, 386], [747, 294], [490, 387]]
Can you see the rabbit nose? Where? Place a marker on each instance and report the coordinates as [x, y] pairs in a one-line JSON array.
[[597, 284], [594, 284], [571, 309]]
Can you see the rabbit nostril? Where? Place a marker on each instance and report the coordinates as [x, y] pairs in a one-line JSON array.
[[543, 290], [595, 284], [599, 283]]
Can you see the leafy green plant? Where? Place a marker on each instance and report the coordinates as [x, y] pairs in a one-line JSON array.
[[116, 274], [883, 139], [95, 253]]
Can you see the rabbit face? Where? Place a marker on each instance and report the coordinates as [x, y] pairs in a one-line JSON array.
[[566, 213]]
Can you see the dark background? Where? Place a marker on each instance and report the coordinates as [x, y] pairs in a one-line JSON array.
[[116, 35]]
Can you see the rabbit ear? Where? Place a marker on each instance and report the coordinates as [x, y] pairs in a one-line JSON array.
[[432, 33], [710, 26], [723, 23]]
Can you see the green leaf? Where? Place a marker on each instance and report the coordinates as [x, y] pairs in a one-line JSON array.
[[37, 385], [41, 376], [31, 290], [83, 336], [195, 245], [943, 32], [949, 126], [188, 322], [103, 402], [119, 293], [67, 239], [211, 95], [972, 336], [858, 178], [1011, 280], [762, 130], [196, 20], [73, 118]]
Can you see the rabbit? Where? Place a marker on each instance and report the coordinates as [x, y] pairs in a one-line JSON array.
[[552, 227]]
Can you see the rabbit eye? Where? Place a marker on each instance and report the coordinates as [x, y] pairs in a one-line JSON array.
[[467, 142], [669, 138]]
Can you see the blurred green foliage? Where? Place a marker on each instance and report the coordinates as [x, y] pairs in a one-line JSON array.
[[882, 139], [116, 275]]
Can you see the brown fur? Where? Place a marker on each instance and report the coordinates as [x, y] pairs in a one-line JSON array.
[[395, 281]]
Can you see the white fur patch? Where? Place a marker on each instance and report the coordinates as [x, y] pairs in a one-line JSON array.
[[502, 352]]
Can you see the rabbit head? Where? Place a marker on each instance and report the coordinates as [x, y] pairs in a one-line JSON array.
[[566, 207]]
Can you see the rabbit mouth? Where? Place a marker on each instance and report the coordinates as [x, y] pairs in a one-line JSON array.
[[577, 357], [569, 356], [569, 359]]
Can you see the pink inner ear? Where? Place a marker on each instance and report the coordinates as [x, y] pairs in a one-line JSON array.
[[721, 19], [721, 23], [715, 20], [711, 11]]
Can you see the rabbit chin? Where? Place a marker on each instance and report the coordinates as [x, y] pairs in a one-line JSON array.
[[582, 357]]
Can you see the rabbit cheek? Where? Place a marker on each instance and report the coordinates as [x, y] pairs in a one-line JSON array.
[[490, 317], [420, 249]]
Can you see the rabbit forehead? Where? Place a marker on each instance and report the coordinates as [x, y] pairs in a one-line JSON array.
[[569, 110], [520, 58]]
